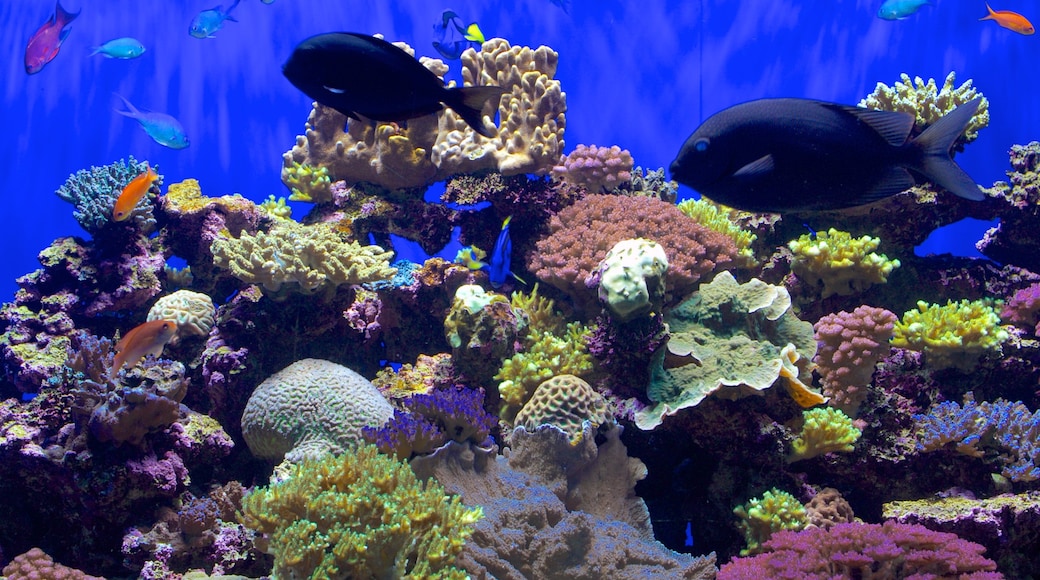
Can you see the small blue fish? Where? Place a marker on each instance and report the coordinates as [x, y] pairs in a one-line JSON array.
[[812, 232], [899, 9], [267, 1], [162, 128], [125, 47], [498, 269], [207, 22], [689, 535], [452, 38]]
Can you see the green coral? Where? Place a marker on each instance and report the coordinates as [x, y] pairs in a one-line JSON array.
[[927, 103], [713, 216], [360, 515], [731, 339], [843, 265], [824, 430], [953, 335], [545, 355], [776, 510], [307, 182]]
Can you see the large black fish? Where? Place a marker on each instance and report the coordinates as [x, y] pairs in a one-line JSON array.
[[783, 155], [364, 76]]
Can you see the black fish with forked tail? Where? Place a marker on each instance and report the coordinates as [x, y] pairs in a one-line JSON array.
[[364, 76], [784, 155]]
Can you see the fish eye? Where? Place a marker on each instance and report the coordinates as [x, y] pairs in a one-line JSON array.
[[701, 144]]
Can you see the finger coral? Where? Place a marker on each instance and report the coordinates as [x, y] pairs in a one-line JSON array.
[[838, 263], [850, 346], [360, 515], [824, 430], [953, 335], [597, 169]]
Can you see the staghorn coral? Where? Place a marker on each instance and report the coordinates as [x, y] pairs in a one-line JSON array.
[[890, 550], [850, 346], [839, 264], [597, 169], [730, 338], [567, 403], [824, 430], [311, 406], [193, 312], [360, 515], [953, 335], [294, 257], [631, 278], [93, 193], [582, 234], [761, 517], [927, 103]]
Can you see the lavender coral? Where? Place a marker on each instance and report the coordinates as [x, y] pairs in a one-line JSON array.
[[850, 346], [431, 420], [1024, 308], [93, 192], [597, 169]]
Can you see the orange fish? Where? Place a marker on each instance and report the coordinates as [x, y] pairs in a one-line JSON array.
[[141, 341], [1010, 20], [132, 194]]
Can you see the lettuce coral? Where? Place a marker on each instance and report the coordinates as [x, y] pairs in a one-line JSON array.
[[953, 335], [360, 515], [824, 430], [839, 263], [761, 517]]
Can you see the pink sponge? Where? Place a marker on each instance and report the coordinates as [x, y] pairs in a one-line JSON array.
[[850, 344], [598, 169]]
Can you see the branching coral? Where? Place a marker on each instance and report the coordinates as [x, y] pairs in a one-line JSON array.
[[308, 183], [839, 263], [850, 346], [93, 192], [360, 515], [953, 335], [824, 430], [761, 517], [928, 103], [597, 169], [545, 355]]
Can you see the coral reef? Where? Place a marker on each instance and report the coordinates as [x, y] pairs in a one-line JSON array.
[[761, 517], [824, 430], [953, 335], [565, 402], [37, 565], [837, 263], [850, 346], [927, 103], [93, 192], [597, 169], [1023, 309]]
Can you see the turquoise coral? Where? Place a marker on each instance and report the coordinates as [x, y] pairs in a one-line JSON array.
[[93, 192]]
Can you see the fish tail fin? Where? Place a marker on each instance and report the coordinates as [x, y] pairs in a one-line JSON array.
[[62, 15], [989, 15], [934, 146], [468, 103], [132, 110], [227, 14], [473, 33]]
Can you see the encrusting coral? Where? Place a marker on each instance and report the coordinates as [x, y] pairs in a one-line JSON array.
[[839, 263], [360, 515]]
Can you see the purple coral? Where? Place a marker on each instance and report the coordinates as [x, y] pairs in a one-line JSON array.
[[598, 169], [1024, 308], [431, 420], [855, 550], [850, 345]]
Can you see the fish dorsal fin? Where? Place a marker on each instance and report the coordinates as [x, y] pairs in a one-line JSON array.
[[894, 180], [756, 168], [893, 127]]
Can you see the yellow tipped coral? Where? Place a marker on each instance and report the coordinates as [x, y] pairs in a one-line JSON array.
[[776, 510], [841, 264], [545, 356], [927, 103], [824, 430], [360, 515], [307, 183], [953, 335], [715, 217], [276, 208]]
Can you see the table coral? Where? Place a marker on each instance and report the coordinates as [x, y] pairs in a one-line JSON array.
[[597, 169], [890, 550], [294, 257], [838, 263], [193, 312], [631, 278], [927, 103], [735, 339], [953, 335], [761, 517], [93, 193], [313, 402], [566, 402], [824, 430], [360, 515], [582, 234], [850, 346]]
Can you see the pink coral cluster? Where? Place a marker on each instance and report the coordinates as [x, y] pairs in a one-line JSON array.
[[37, 565], [1024, 308], [582, 234], [850, 345], [598, 169]]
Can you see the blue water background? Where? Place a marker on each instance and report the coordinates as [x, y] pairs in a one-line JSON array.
[[639, 74]]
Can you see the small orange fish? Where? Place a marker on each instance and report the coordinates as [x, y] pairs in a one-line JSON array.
[[132, 194], [1010, 20], [141, 341]]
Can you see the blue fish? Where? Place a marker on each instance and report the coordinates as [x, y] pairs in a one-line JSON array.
[[207, 22], [689, 535], [452, 38], [498, 269], [899, 9], [162, 128], [125, 47]]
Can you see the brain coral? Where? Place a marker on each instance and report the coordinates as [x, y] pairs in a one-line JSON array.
[[311, 404], [193, 312], [582, 234], [564, 401]]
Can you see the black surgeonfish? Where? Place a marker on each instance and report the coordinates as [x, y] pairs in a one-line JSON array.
[[364, 76], [783, 155]]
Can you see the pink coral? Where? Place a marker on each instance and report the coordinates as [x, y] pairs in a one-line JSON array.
[[852, 550], [37, 565], [850, 345], [582, 234], [1024, 308], [598, 169]]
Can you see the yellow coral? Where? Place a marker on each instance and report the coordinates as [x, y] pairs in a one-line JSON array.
[[545, 356], [714, 216], [306, 258], [824, 430], [538, 312], [360, 515], [953, 335], [276, 208], [927, 103], [307, 182], [776, 510], [186, 197], [843, 265]]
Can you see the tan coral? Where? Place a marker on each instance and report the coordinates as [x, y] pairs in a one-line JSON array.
[[927, 103], [566, 402], [193, 312], [302, 258]]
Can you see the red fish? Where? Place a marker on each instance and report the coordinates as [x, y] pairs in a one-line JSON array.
[[141, 341], [132, 194], [1010, 20], [45, 42]]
